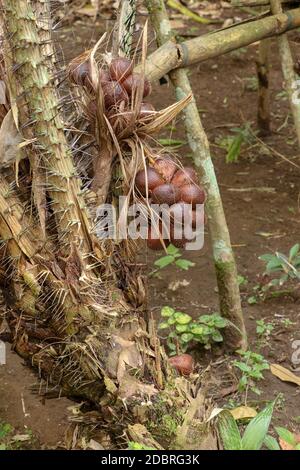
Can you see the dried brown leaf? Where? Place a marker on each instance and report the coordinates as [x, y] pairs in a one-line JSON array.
[[284, 374]]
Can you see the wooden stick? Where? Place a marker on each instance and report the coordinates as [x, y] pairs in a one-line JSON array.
[[225, 266], [262, 66], [171, 56], [288, 71]]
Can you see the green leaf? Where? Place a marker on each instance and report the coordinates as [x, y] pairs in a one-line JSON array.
[[294, 251], [5, 429], [171, 142], [286, 435], [197, 329], [167, 311], [205, 319], [229, 431], [164, 261], [184, 264], [163, 326], [182, 318], [234, 149], [181, 328], [256, 374], [257, 429], [268, 257], [252, 300], [186, 337], [273, 265], [217, 337], [242, 366], [172, 250], [171, 346], [220, 322], [271, 443], [243, 382]]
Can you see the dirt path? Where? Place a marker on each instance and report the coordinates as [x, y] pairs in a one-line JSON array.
[[27, 412]]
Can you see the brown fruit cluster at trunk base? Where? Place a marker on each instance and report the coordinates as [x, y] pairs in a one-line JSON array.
[[178, 189], [183, 363]]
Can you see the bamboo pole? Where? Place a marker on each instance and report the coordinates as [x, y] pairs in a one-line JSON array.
[[35, 103], [263, 69], [229, 296], [288, 70], [171, 56]]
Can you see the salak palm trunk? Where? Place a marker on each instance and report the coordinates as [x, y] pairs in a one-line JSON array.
[[63, 306]]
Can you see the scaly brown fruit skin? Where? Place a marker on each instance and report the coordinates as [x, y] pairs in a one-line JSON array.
[[166, 194], [166, 167], [192, 194], [134, 81], [150, 178], [155, 239], [185, 175], [114, 94], [183, 363], [120, 68]]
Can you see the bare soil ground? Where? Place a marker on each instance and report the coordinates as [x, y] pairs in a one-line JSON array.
[[261, 198]]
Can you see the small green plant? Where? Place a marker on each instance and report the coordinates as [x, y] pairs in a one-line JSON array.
[[251, 365], [264, 329], [136, 446], [255, 434], [243, 281], [11, 441], [251, 83], [5, 432], [288, 440], [174, 257], [286, 322], [283, 267], [183, 329], [233, 144]]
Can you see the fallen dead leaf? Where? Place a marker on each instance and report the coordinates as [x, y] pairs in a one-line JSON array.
[[174, 285], [21, 437], [243, 412], [94, 445], [284, 374]]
